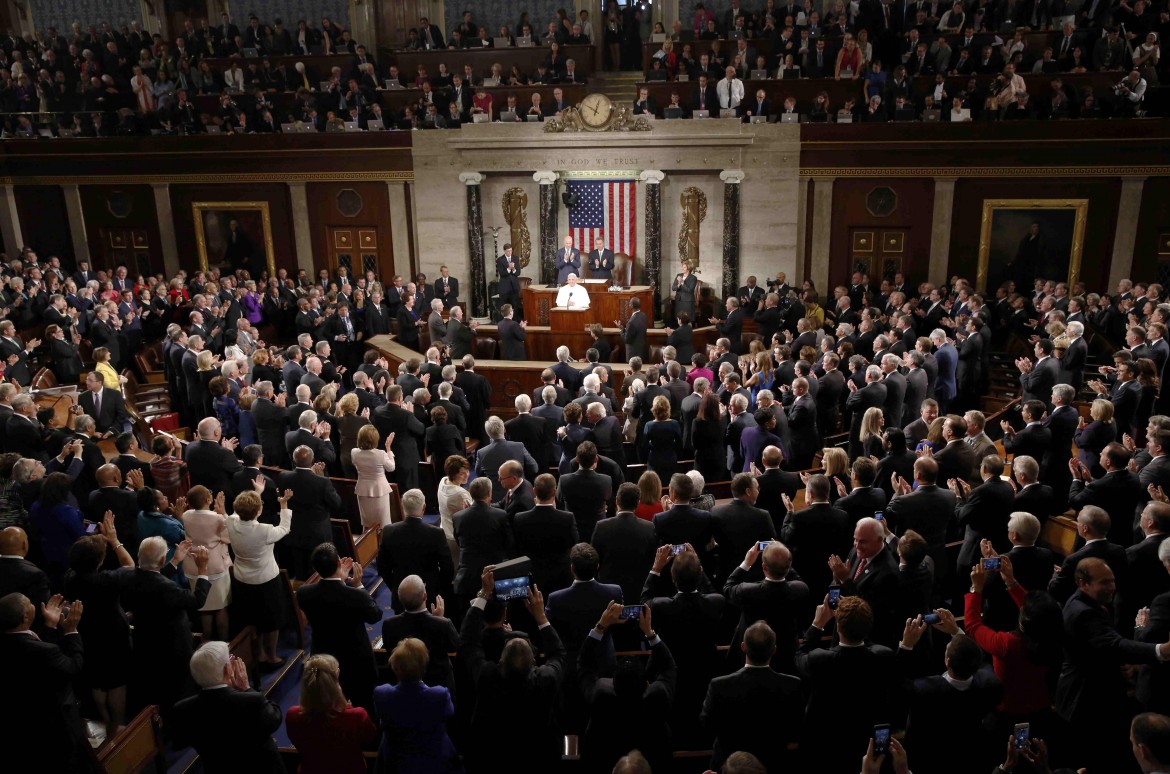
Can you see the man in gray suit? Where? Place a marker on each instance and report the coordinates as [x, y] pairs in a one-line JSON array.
[[436, 325], [634, 331], [498, 451]]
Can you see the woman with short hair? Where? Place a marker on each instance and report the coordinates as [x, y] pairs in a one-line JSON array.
[[328, 732], [258, 592], [1092, 437], [413, 717], [373, 488], [208, 528], [663, 439]]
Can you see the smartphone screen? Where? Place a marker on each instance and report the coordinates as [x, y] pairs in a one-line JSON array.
[[931, 618], [677, 549], [90, 527], [763, 544], [1021, 734], [879, 515], [991, 563], [881, 739], [630, 613], [507, 589], [834, 598]]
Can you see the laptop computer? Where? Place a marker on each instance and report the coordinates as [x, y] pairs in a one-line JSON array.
[[532, 119], [701, 114], [308, 128], [507, 115], [964, 114], [524, 41], [249, 53], [393, 83], [657, 37], [502, 42], [683, 77], [213, 129], [65, 133], [375, 126], [790, 118], [905, 114], [487, 82], [672, 112], [45, 132], [482, 118], [352, 126], [728, 113], [735, 35], [759, 119], [759, 75], [844, 117], [288, 128], [931, 116]]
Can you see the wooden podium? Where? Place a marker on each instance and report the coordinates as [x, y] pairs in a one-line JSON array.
[[605, 305], [564, 320]]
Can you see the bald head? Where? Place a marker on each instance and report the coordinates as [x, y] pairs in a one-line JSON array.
[[208, 429], [109, 475], [868, 537], [412, 592], [777, 560], [13, 541]]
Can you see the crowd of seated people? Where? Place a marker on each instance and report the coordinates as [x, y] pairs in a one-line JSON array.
[[658, 615]]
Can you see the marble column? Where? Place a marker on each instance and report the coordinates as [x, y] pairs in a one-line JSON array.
[[652, 179], [10, 221], [548, 224], [166, 227], [940, 230], [400, 226], [1125, 234], [76, 216], [801, 228], [822, 228], [475, 242], [302, 234], [731, 179]]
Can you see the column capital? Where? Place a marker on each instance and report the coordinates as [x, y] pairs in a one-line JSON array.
[[544, 176], [471, 178], [652, 176], [732, 175]]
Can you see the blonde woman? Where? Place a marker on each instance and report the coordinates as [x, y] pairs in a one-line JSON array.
[[835, 466], [258, 595], [110, 378], [328, 732], [373, 488], [207, 528], [350, 424], [453, 495], [872, 423], [1092, 437]]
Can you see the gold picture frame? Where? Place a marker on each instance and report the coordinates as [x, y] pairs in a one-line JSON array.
[[208, 214], [1077, 208]]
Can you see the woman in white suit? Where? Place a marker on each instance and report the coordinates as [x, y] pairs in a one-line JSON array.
[[258, 595], [373, 488]]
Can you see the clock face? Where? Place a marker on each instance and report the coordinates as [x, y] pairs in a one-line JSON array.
[[595, 110], [881, 202]]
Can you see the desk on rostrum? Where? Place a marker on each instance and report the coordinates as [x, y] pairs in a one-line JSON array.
[[605, 305]]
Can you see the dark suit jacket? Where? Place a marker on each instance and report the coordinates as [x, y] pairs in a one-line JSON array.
[[22, 435], [1063, 584], [862, 503], [1038, 383], [545, 535], [928, 511], [1119, 493], [872, 395], [626, 545], [937, 709], [211, 465], [113, 414], [485, 537], [574, 610], [879, 586], [984, 515], [635, 336], [813, 535], [314, 503], [24, 577], [685, 524], [437, 633], [271, 425], [512, 338], [587, 494], [783, 604], [736, 526], [1032, 566], [755, 710], [338, 614], [1147, 579], [230, 729], [124, 504], [413, 547], [48, 721], [1153, 686], [957, 460], [162, 626], [489, 459]]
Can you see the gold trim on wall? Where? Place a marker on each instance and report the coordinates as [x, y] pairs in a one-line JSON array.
[[198, 208], [1081, 206]]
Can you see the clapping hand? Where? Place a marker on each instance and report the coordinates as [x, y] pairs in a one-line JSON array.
[[840, 487], [51, 611], [230, 443], [1157, 493], [258, 484], [787, 501], [1006, 427], [182, 551], [838, 568], [237, 676], [319, 468], [439, 608], [900, 485], [284, 498], [219, 505], [134, 479]]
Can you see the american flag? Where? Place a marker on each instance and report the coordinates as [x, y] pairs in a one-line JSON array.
[[604, 208]]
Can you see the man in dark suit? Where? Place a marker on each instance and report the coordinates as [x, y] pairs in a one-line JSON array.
[[431, 626], [634, 331], [1034, 439], [731, 326], [162, 626], [815, 533], [682, 522], [508, 270], [832, 672], [271, 420], [1118, 492], [23, 433], [956, 460], [983, 512], [780, 598], [864, 499], [109, 496], [413, 547], [546, 535], [338, 609], [871, 572], [18, 575], [896, 387], [512, 335], [489, 458], [484, 535], [408, 437], [600, 260], [1147, 575], [518, 496], [625, 544], [568, 261], [1038, 380], [12, 346], [314, 502], [210, 459], [1089, 680], [531, 431], [574, 610], [586, 492], [229, 724], [1093, 527], [802, 423], [740, 524], [757, 709], [928, 510], [704, 95], [106, 406], [872, 395], [38, 705], [447, 288], [1031, 568], [477, 391], [313, 434]]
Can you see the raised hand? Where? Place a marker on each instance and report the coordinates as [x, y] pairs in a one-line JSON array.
[[69, 625], [134, 479], [439, 608], [258, 484], [218, 506], [284, 498], [51, 611]]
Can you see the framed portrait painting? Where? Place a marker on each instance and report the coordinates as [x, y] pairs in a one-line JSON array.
[[1025, 239], [234, 235]]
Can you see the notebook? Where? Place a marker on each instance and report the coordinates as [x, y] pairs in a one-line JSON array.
[[759, 75], [507, 115], [672, 112], [375, 126], [844, 117], [524, 41], [532, 119], [931, 116], [393, 83], [502, 42], [288, 128], [482, 118]]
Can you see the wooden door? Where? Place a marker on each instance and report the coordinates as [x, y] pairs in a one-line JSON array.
[[129, 246], [355, 248], [880, 253]]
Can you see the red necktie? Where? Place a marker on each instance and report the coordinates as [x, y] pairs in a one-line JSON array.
[[860, 568]]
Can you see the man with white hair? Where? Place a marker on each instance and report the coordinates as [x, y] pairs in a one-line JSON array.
[[1073, 362], [569, 375], [211, 459], [413, 547], [872, 395], [532, 431], [497, 452], [428, 624], [592, 394], [312, 377], [459, 335], [436, 325], [229, 724], [1031, 568], [947, 358], [161, 610], [572, 296], [313, 434]]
